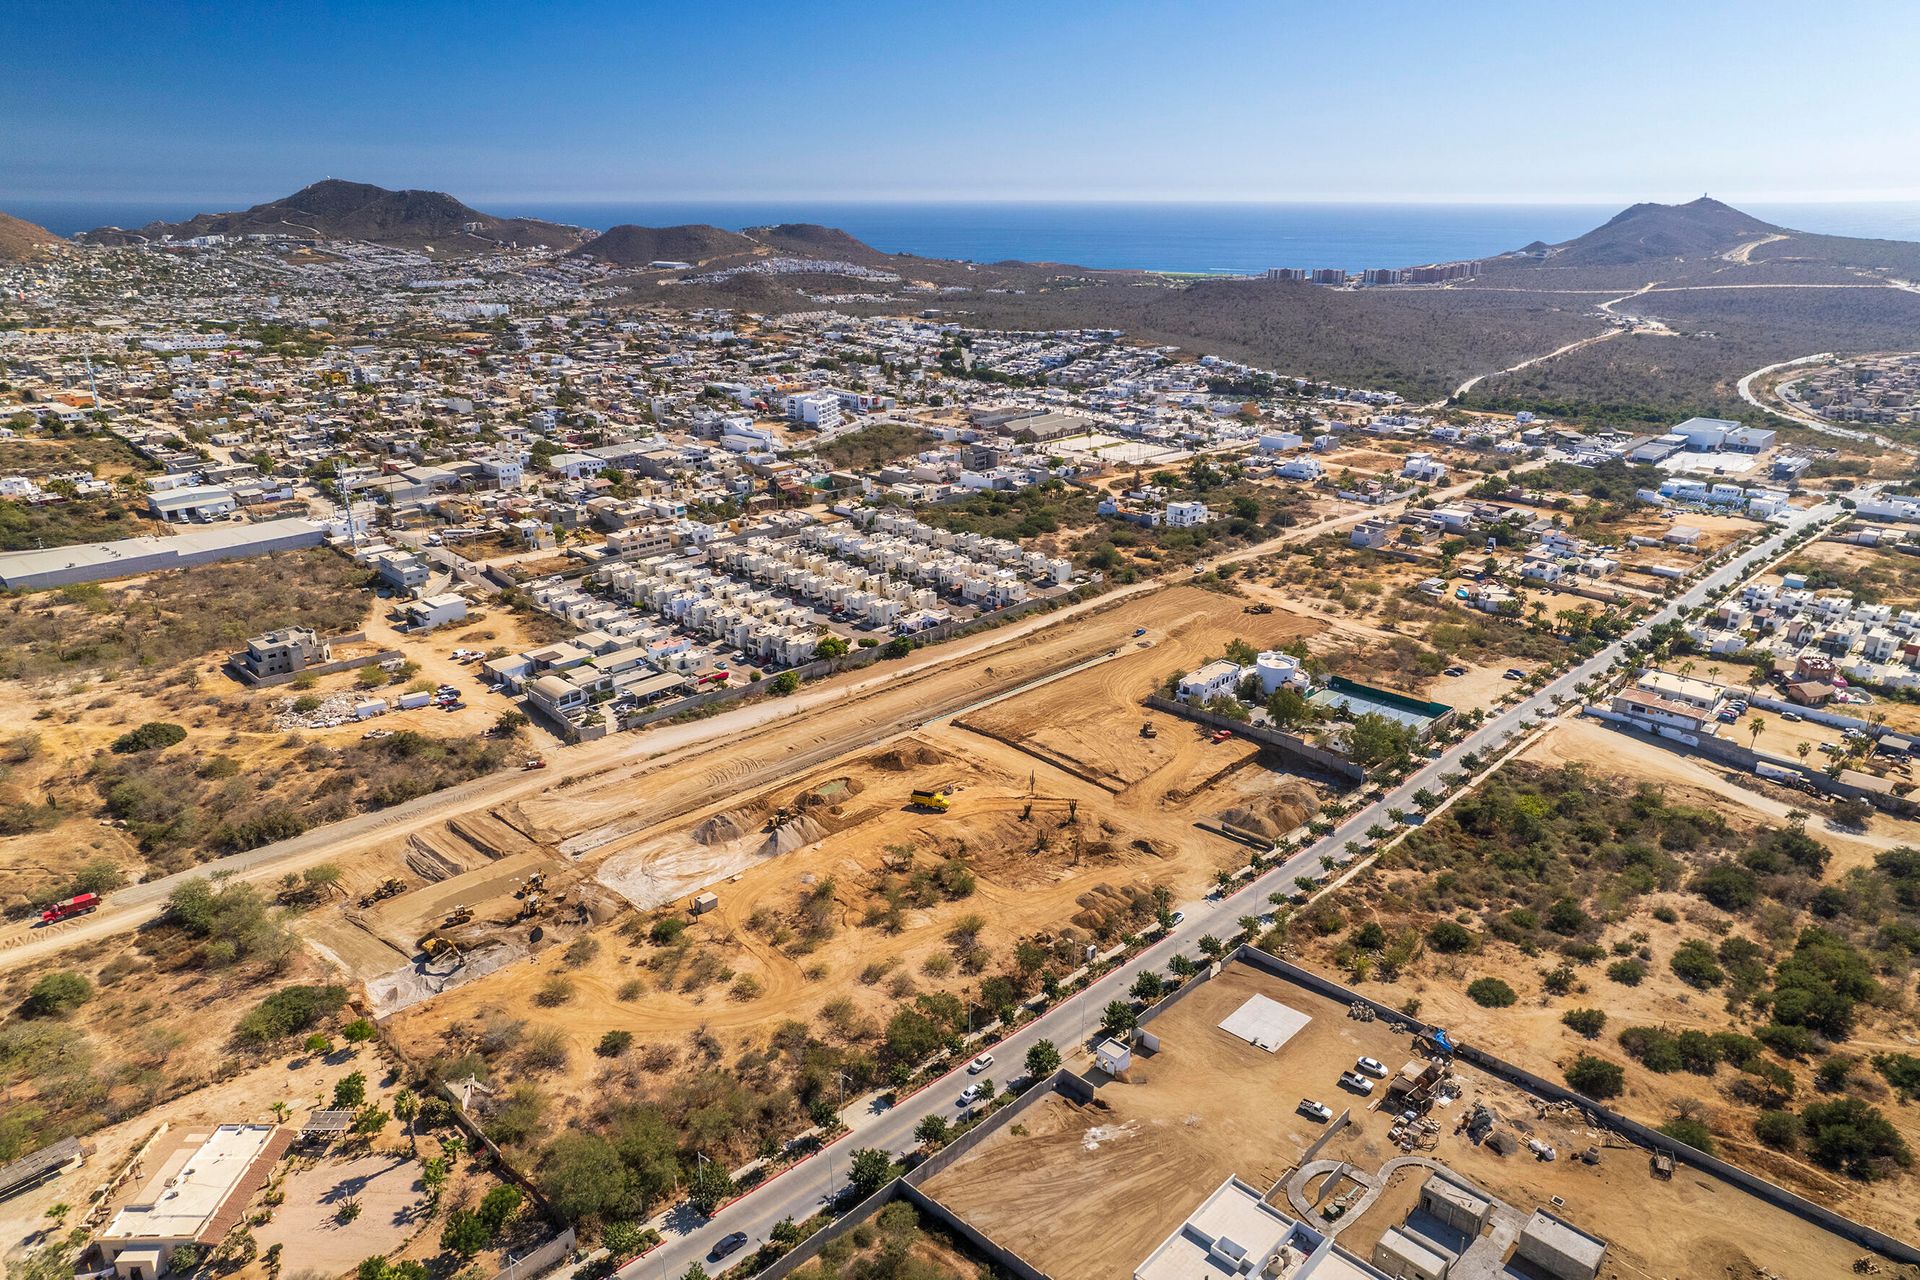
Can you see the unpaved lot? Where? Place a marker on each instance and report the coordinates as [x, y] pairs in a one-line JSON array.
[[1087, 1191]]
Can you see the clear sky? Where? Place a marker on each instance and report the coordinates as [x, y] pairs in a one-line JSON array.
[[737, 99]]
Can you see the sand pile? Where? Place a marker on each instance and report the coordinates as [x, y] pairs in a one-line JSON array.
[[907, 756], [1274, 813], [787, 837], [723, 827]]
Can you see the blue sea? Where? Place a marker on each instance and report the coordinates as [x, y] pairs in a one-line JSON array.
[[1228, 238]]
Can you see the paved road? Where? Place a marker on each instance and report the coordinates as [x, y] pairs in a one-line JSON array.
[[802, 1191], [136, 905]]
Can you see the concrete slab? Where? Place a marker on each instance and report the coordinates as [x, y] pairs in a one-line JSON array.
[[1264, 1023]]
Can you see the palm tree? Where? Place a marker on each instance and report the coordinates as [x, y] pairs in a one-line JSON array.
[[1804, 749], [1755, 726]]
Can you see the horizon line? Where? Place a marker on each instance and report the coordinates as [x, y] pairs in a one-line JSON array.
[[1476, 200]]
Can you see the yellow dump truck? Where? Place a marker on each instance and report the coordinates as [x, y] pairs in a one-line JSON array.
[[938, 801]]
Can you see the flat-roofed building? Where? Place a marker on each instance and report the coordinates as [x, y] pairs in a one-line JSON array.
[[1233, 1232], [1455, 1203], [197, 1195], [284, 652], [96, 561], [1404, 1256], [1703, 695], [200, 503], [1554, 1247]]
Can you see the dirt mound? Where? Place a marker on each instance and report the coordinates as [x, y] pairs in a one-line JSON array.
[[906, 757], [724, 827], [789, 836], [829, 794], [1275, 813], [1107, 912], [429, 863]]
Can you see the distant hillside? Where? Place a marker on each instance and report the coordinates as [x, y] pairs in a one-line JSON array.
[[810, 240], [1648, 231], [630, 246], [336, 210], [18, 238]]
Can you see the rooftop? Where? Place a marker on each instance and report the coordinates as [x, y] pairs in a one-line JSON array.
[[190, 1188]]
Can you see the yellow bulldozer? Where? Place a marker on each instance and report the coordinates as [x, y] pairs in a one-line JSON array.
[[436, 945]]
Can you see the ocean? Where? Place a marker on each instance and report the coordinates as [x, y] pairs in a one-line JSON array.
[[1225, 238]]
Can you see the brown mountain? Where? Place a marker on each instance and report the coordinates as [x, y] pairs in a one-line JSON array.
[[336, 210], [629, 246], [18, 238], [1644, 232]]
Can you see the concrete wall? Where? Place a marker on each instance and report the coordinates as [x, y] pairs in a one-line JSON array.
[[1296, 751], [1061, 1081], [1736, 756], [546, 1256]]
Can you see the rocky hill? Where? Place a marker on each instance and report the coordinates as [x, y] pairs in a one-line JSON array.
[[1645, 232], [337, 210], [18, 238], [629, 246]]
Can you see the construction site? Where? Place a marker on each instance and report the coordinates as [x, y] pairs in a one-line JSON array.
[[1030, 771], [1249, 1075]]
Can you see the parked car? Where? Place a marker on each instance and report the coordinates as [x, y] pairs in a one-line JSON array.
[[969, 1094], [979, 1064], [1794, 716], [1513, 673], [732, 1242], [1371, 1066], [1318, 1110], [1356, 1082], [1179, 917], [1456, 671]]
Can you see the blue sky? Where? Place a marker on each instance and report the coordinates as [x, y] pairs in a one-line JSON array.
[[1273, 100]]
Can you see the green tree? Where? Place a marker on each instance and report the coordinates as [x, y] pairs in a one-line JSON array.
[[497, 1208], [464, 1234], [56, 994], [584, 1178], [1119, 1019], [931, 1131], [708, 1187], [1852, 1137], [350, 1090], [1587, 1022], [406, 1108], [1596, 1077], [1491, 993], [868, 1170], [1042, 1059]]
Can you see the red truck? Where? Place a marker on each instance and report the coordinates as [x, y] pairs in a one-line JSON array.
[[68, 907]]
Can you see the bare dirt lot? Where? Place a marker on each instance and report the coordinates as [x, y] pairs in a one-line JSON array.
[[1087, 1191], [1063, 822]]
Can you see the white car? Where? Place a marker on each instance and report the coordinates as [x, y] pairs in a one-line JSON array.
[[1356, 1082], [979, 1064], [968, 1094], [1371, 1066]]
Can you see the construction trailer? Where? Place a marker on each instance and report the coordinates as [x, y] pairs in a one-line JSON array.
[[703, 903]]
